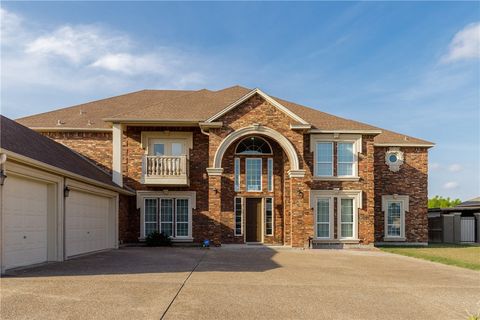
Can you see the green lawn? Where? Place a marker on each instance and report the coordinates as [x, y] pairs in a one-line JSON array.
[[466, 256]]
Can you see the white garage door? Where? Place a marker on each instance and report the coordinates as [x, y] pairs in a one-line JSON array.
[[24, 222], [87, 221]]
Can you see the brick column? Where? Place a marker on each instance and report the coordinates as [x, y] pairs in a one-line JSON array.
[[301, 215], [214, 208]]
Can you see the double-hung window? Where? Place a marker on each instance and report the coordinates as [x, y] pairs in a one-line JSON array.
[[345, 159], [347, 218], [323, 218], [253, 174], [394, 219], [324, 159]]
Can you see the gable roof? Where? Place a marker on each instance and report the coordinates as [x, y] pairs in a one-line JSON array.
[[193, 107], [25, 142]]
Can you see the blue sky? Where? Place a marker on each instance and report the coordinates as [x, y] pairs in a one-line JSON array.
[[411, 67]]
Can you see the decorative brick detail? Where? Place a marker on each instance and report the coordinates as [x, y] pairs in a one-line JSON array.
[[412, 181]]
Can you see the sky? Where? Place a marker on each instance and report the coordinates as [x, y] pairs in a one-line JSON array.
[[411, 67]]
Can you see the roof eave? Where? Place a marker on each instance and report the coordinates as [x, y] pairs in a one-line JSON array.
[[68, 129], [396, 144], [360, 131], [47, 167]]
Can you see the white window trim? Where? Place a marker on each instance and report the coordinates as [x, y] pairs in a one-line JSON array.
[[157, 218], [254, 154], [235, 215], [190, 195], [147, 136], [265, 217], [330, 218], [339, 218], [237, 179], [270, 178], [356, 139], [189, 233], [316, 162], [339, 194], [404, 207], [261, 174], [355, 159]]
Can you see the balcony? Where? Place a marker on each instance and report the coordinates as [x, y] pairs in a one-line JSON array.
[[165, 170]]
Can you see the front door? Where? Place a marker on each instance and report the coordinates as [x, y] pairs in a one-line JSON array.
[[253, 220]]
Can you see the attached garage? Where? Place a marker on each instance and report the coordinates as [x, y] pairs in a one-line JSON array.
[[54, 204], [89, 223], [25, 215]]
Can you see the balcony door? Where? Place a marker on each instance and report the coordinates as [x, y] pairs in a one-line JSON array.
[[167, 147]]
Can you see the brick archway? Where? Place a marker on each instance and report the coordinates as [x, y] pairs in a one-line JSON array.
[[287, 146]]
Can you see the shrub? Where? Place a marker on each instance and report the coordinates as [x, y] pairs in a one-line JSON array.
[[156, 239]]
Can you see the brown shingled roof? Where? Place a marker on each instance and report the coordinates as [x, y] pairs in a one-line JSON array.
[[177, 105], [26, 142], [80, 115]]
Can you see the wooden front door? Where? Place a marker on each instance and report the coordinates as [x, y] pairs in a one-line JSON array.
[[253, 220]]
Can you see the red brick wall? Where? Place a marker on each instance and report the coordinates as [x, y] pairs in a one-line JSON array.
[[96, 146], [411, 180]]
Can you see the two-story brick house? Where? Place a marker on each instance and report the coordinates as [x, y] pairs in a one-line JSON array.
[[237, 165]]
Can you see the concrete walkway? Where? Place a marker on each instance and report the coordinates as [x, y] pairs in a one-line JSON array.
[[240, 283]]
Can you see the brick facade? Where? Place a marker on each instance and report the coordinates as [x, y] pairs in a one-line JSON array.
[[213, 217]]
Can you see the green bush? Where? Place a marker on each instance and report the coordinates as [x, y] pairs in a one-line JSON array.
[[156, 239]]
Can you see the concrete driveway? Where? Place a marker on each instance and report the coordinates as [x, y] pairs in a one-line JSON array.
[[240, 283]]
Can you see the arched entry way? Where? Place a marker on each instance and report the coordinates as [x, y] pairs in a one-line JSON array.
[[258, 208], [286, 145]]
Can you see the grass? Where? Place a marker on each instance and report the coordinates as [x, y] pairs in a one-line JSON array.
[[465, 256]]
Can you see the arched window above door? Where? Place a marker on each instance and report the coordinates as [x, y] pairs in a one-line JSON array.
[[252, 146]]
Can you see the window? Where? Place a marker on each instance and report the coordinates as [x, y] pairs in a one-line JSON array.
[[181, 222], [394, 219], [151, 214], [268, 216], [324, 161], [253, 145], [166, 217], [167, 147], [238, 216], [394, 207], [323, 217], [270, 174], [172, 216], [237, 174], [254, 174], [346, 218], [345, 159]]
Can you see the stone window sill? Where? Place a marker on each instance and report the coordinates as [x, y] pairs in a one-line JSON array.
[[336, 178], [394, 239]]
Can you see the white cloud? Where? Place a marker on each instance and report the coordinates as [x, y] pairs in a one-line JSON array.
[[434, 166], [465, 44], [455, 167], [86, 60], [77, 43], [450, 185]]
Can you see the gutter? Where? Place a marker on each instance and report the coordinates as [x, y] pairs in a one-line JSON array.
[[47, 167]]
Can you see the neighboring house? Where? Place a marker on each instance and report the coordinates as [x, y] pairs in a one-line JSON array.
[[459, 224], [54, 204], [237, 165]]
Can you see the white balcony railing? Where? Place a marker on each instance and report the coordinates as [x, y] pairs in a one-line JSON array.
[[165, 170]]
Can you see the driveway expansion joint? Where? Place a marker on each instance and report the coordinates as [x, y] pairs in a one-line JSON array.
[[183, 284]]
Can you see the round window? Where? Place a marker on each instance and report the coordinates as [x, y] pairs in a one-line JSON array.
[[393, 158]]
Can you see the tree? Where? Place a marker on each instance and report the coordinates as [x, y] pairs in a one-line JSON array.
[[441, 202]]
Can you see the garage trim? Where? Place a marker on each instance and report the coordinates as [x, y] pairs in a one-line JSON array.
[[54, 208]]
